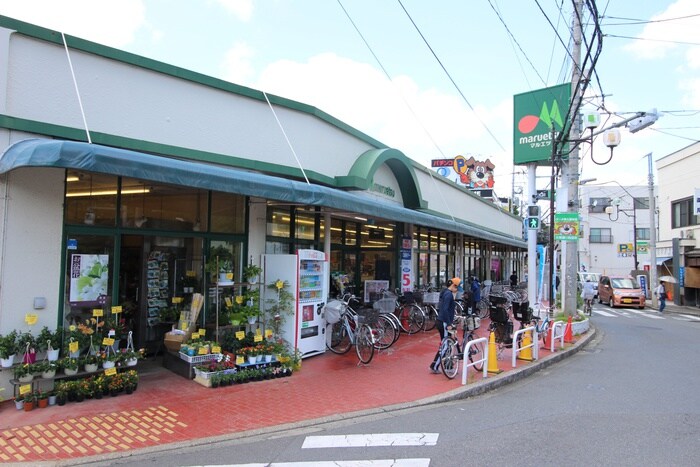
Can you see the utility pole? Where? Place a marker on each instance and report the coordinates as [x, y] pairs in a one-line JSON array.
[[570, 264], [652, 236]]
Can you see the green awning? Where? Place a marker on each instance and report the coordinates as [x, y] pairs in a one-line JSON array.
[[115, 161]]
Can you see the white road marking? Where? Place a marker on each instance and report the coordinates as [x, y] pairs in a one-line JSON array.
[[418, 462], [376, 439], [645, 314], [605, 313], [690, 317]]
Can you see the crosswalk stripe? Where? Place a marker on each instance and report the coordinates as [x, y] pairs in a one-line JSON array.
[[645, 314], [605, 313], [376, 439], [417, 462], [690, 317]]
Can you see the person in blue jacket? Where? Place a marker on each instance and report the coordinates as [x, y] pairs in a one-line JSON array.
[[446, 314], [476, 293]]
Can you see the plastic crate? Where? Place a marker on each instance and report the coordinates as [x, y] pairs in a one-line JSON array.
[[200, 358], [498, 314], [432, 298], [205, 374], [385, 305]]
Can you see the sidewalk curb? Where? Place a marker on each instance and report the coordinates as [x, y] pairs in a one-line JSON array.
[[462, 392]]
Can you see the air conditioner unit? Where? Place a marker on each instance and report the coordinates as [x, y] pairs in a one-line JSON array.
[[690, 234]]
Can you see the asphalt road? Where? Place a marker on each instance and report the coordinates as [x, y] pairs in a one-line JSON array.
[[631, 397]]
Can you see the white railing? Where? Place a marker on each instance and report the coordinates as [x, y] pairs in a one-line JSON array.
[[484, 360], [532, 344], [561, 326]]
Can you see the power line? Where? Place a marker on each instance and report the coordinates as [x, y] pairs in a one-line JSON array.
[[635, 21], [651, 40]]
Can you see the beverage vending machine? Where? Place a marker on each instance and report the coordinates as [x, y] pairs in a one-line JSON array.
[[307, 275]]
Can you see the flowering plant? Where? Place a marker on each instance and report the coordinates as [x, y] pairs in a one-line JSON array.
[[224, 362], [68, 363], [116, 382], [130, 378]]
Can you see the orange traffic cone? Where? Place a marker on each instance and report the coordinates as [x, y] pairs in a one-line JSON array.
[[568, 332], [493, 355], [526, 352]]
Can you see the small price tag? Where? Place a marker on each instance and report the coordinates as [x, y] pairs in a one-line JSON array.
[[97, 312], [191, 274], [25, 389], [229, 276], [229, 302], [257, 338], [184, 326], [110, 371], [177, 299], [31, 319], [116, 309], [108, 341], [239, 299], [202, 332], [268, 333], [240, 335], [216, 349], [257, 332], [195, 336], [203, 350], [73, 347], [239, 360]]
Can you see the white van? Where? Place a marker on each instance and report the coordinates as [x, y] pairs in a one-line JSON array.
[[594, 277]]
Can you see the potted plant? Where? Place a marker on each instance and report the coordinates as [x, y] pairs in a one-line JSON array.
[[69, 365], [109, 358], [251, 272], [24, 373], [280, 306], [42, 398], [91, 363], [61, 392], [50, 342], [29, 401], [131, 381], [48, 369], [8, 349], [26, 345], [249, 305], [220, 262]]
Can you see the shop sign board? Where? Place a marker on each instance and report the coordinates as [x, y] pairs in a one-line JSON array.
[[89, 277], [566, 226], [536, 113], [406, 264]]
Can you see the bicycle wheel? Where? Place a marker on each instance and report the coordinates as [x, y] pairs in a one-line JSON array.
[[482, 308], [337, 338], [544, 332], [411, 318], [476, 352], [430, 317], [384, 333], [395, 323], [449, 360], [364, 344]]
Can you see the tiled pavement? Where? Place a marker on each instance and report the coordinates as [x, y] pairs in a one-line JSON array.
[[168, 408]]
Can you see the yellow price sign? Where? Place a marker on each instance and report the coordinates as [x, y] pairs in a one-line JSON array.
[[108, 341], [31, 319], [268, 333], [97, 312], [240, 335], [216, 349], [257, 332], [195, 336], [202, 332], [191, 274], [203, 350], [116, 309], [229, 276], [257, 338], [239, 299], [229, 302], [25, 389], [73, 347], [184, 326], [239, 360], [110, 371], [177, 300]]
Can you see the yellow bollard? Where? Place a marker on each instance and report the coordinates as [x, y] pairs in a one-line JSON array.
[[493, 355], [526, 352]]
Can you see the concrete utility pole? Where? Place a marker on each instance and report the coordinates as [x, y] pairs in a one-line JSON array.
[[652, 236], [570, 264]]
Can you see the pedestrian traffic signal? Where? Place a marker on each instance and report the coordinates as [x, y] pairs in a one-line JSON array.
[[533, 223]]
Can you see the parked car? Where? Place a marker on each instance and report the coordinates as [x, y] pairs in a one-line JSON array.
[[592, 276], [620, 291]]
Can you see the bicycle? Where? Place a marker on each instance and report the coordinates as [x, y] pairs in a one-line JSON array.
[[501, 325], [384, 329], [410, 316], [346, 328], [454, 350], [588, 306]]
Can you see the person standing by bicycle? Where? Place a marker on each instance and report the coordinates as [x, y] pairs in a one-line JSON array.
[[476, 293], [588, 294], [446, 315]]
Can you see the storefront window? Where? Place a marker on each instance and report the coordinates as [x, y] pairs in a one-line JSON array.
[[351, 229], [336, 231], [278, 220], [305, 222], [91, 199], [228, 214]]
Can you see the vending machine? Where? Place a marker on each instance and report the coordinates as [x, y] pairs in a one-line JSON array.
[[307, 275]]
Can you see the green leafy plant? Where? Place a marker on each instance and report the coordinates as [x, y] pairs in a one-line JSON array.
[[280, 306], [8, 344], [25, 340], [251, 272], [220, 260]]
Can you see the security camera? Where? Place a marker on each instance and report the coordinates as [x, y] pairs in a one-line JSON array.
[[645, 120], [616, 201]]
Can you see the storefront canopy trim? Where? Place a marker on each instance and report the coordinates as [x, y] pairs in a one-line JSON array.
[[662, 259], [108, 160]]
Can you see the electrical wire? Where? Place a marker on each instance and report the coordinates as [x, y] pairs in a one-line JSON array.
[[635, 21], [651, 40]]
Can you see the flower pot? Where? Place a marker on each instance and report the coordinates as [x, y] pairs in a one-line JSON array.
[[25, 379], [43, 403], [259, 358], [79, 397], [28, 406], [108, 364], [114, 392], [52, 400], [252, 359], [29, 358], [19, 405], [48, 374], [252, 319], [74, 354], [98, 395], [7, 362], [235, 322], [52, 355], [132, 362], [268, 358], [70, 372], [91, 367], [60, 401]]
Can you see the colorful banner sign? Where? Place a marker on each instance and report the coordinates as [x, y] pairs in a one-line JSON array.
[[566, 226]]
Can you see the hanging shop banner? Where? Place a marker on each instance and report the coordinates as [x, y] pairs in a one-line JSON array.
[[625, 250], [406, 264], [535, 114], [642, 247], [566, 226], [89, 277]]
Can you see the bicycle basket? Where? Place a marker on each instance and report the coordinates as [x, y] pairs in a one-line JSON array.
[[472, 323], [522, 311], [498, 314], [385, 305], [497, 299], [333, 310], [431, 298]]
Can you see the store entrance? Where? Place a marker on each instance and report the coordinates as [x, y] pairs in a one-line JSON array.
[[154, 269]]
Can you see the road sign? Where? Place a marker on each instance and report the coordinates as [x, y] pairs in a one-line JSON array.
[[533, 223]]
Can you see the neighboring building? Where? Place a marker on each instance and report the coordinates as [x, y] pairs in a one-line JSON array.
[[180, 164], [607, 238], [677, 247]]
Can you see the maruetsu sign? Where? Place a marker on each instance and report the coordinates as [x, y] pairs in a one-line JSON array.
[[535, 114]]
